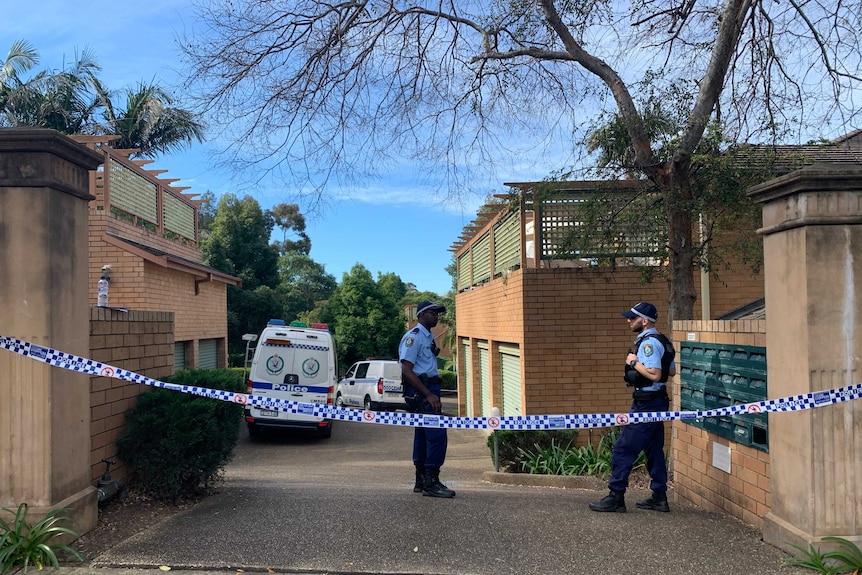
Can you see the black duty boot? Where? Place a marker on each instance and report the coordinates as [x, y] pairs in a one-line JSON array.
[[655, 502], [433, 487], [419, 486], [613, 501]]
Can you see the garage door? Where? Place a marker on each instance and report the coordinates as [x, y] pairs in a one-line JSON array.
[[484, 378], [208, 354], [510, 374], [179, 356], [468, 376]]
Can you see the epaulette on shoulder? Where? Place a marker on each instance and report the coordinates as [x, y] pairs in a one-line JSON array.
[[414, 330]]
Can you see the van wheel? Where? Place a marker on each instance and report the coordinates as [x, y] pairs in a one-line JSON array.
[[368, 405], [339, 401], [324, 432], [254, 431]]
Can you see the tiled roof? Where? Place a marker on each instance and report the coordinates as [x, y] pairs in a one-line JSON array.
[[192, 267]]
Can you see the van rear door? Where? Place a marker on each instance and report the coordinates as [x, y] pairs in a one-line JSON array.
[[293, 364]]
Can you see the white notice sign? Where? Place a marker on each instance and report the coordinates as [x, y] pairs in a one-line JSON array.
[[721, 456]]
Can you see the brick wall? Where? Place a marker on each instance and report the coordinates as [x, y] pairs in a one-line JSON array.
[[139, 341], [199, 307], [493, 313], [200, 311], [572, 337], [729, 290], [745, 491], [201, 316]]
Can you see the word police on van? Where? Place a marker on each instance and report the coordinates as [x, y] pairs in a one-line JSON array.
[[292, 363]]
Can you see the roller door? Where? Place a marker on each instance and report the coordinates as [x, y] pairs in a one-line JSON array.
[[510, 374], [179, 356], [466, 371], [208, 354], [484, 378]]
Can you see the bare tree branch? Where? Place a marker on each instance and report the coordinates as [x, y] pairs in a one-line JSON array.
[[326, 92]]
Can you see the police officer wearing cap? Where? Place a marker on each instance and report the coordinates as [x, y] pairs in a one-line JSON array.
[[647, 370], [421, 384]]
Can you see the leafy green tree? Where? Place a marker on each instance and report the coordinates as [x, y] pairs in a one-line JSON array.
[[148, 122], [414, 297], [287, 217], [365, 321], [248, 310], [64, 101], [74, 101], [614, 221], [452, 270], [239, 245], [21, 58], [304, 283], [239, 242], [207, 213], [392, 287]]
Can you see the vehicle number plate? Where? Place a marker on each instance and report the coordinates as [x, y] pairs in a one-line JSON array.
[[268, 413]]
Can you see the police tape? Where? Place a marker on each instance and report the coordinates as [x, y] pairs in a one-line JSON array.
[[523, 422]]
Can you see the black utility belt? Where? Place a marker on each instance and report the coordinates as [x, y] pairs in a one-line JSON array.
[[407, 389], [641, 395]]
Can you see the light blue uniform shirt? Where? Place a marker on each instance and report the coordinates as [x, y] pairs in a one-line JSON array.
[[415, 347], [650, 353]]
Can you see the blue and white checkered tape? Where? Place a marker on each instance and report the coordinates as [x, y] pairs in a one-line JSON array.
[[529, 422], [297, 346]]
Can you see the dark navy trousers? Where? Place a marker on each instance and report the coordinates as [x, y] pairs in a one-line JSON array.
[[637, 437], [429, 443]]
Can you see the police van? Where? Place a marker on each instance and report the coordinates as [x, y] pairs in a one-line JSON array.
[[294, 363], [371, 384]]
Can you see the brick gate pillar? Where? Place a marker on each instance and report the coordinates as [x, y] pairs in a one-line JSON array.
[[812, 242], [44, 263]]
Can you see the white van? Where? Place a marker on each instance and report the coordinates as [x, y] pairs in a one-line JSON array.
[[294, 363], [371, 384]]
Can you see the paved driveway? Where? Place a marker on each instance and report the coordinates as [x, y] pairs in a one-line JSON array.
[[298, 504]]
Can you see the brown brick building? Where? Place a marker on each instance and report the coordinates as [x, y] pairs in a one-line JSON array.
[[146, 230], [539, 334]]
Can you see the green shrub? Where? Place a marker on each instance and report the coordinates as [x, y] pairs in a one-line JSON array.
[[235, 359], [23, 545], [179, 443], [555, 455], [847, 558], [448, 380], [512, 443], [567, 460]]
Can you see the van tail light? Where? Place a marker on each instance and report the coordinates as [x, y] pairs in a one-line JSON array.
[[380, 386], [329, 395], [250, 389]]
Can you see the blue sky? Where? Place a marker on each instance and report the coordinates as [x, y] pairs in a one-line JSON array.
[[398, 224]]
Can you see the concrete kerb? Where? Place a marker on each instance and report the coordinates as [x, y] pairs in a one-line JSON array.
[[535, 480]]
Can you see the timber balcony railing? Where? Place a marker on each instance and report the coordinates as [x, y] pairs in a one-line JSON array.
[[137, 195], [533, 228]]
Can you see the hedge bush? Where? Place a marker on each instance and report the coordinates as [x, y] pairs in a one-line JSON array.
[[179, 443], [512, 443], [448, 380]]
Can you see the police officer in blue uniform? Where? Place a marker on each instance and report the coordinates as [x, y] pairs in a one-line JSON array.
[[647, 370], [421, 384]]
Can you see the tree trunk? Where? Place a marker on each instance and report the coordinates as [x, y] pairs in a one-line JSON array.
[[681, 248]]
